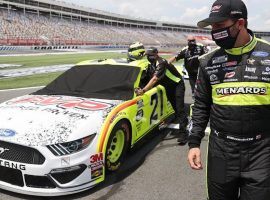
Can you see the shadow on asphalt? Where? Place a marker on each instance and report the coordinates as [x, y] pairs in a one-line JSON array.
[[135, 158]]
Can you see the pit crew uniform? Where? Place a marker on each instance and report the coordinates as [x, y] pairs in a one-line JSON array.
[[233, 89], [171, 79], [191, 62]]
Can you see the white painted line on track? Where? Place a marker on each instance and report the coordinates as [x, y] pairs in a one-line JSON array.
[[28, 88]]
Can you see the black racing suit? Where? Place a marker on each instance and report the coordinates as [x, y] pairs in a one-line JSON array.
[[191, 62], [175, 90], [233, 90]]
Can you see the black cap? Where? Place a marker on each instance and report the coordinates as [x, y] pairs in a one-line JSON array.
[[225, 9], [151, 51]]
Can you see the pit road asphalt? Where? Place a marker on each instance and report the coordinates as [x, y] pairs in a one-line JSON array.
[[156, 170]]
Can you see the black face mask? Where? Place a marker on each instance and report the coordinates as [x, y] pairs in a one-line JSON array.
[[151, 59], [223, 37], [191, 44]]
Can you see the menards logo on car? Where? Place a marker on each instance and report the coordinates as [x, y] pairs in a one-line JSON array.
[[241, 90]]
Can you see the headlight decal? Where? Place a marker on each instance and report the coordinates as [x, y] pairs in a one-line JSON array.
[[63, 149]]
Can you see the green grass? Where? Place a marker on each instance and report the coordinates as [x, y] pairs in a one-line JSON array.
[[45, 60], [28, 81]]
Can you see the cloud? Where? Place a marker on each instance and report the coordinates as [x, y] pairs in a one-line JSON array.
[[178, 11], [194, 14]]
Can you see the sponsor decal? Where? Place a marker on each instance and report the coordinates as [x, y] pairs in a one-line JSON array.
[[216, 8], [265, 62], [236, 12], [66, 112], [213, 67], [139, 115], [220, 59], [7, 133], [250, 69], [251, 77], [96, 173], [241, 90], [2, 150], [62, 102], [139, 126], [96, 165], [229, 64], [250, 61], [214, 82], [229, 69], [239, 139], [96, 158], [65, 161], [229, 75], [12, 165], [212, 71], [266, 79], [213, 77], [266, 72], [220, 35], [230, 80], [260, 54], [140, 103]]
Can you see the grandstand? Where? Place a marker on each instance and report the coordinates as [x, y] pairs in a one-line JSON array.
[[50, 22]]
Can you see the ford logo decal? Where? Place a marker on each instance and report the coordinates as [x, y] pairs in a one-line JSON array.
[[260, 54], [7, 133]]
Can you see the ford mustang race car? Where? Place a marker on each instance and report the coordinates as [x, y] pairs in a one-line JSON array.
[[63, 138]]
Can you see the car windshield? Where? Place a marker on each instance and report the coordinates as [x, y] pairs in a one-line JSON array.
[[114, 82]]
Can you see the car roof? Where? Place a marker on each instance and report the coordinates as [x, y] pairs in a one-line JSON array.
[[117, 62]]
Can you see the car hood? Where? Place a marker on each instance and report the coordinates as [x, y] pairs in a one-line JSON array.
[[35, 120]]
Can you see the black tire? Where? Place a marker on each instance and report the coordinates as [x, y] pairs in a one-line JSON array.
[[114, 158]]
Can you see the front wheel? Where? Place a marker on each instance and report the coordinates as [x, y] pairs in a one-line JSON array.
[[117, 146]]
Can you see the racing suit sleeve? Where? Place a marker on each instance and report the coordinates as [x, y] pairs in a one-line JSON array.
[[160, 70], [203, 51], [180, 55], [200, 110]]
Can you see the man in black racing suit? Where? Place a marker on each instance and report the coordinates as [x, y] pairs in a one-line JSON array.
[[233, 90], [190, 55]]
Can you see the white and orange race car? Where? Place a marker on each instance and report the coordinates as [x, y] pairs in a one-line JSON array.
[[63, 138]]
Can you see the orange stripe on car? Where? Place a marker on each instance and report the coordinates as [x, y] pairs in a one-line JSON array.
[[109, 120]]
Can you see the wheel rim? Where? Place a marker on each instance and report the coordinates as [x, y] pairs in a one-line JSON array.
[[116, 146]]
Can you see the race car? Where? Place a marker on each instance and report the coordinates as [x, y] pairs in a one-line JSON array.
[[64, 138]]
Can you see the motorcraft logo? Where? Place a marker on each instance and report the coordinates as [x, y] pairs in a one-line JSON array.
[[241, 90], [2, 150]]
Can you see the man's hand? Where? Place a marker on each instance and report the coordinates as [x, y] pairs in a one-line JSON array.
[[139, 91], [194, 158]]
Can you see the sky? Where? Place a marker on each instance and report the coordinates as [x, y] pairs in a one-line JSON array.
[[179, 11]]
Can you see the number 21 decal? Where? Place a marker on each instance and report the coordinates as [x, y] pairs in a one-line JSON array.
[[154, 101]]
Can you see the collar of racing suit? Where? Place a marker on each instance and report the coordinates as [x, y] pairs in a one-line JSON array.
[[245, 49]]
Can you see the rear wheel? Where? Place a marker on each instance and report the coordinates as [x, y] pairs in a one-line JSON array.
[[117, 146]]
